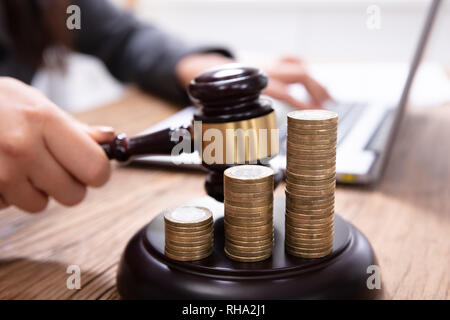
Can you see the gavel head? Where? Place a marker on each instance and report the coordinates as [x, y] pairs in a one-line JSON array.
[[236, 125]]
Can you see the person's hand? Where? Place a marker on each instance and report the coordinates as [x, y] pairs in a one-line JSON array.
[[289, 70], [44, 152], [282, 73]]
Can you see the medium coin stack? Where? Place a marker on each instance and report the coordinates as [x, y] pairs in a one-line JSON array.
[[248, 194], [189, 233], [310, 182]]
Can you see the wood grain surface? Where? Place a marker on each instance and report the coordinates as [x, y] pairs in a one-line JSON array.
[[406, 216]]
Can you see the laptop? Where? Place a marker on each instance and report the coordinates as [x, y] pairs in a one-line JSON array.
[[366, 129]]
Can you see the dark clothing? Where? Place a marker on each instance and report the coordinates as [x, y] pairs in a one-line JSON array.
[[132, 51]]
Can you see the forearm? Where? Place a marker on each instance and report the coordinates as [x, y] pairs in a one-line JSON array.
[[192, 65]]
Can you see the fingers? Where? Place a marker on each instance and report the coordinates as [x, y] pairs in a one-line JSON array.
[[279, 90], [100, 134], [3, 203], [292, 59], [50, 177], [317, 92], [76, 151], [26, 197]]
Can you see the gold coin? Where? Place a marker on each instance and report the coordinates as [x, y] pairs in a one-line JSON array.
[[249, 254], [293, 231], [309, 247], [248, 187], [313, 138], [297, 232], [304, 208], [231, 193], [330, 174], [313, 116], [258, 243], [244, 238], [249, 215], [187, 257], [309, 250], [317, 183], [249, 229], [299, 162], [310, 209], [305, 188], [298, 147], [239, 234], [300, 204], [296, 240], [311, 169], [188, 233], [292, 166], [238, 211], [188, 216], [308, 149], [239, 248], [304, 223], [330, 185], [312, 193], [187, 253], [188, 243], [308, 255], [327, 132], [250, 204], [183, 238], [200, 248], [311, 214], [248, 221], [296, 127], [297, 170], [297, 227], [249, 173], [305, 198], [247, 195], [243, 198], [208, 226], [310, 155], [247, 259]]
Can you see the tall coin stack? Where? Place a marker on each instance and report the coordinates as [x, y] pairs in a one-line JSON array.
[[189, 233], [248, 194], [310, 182]]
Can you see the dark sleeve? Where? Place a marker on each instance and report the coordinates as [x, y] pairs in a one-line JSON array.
[[132, 51]]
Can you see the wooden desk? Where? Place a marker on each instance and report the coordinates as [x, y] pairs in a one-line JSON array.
[[406, 217]]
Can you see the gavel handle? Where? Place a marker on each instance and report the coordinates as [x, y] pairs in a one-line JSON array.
[[159, 142]]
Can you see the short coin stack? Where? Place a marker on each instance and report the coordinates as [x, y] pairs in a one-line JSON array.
[[248, 193], [189, 233], [310, 182]]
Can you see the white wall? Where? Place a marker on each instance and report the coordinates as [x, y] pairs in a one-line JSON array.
[[321, 29]]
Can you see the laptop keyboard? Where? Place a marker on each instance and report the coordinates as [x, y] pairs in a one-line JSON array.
[[348, 113]]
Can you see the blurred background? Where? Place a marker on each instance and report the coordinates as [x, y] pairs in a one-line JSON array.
[[356, 47]]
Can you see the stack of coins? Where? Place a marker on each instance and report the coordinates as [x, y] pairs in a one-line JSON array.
[[189, 233], [310, 182], [248, 194]]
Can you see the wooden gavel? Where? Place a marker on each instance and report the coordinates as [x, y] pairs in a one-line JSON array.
[[227, 99]]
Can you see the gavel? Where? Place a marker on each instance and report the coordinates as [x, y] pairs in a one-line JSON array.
[[228, 105]]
